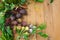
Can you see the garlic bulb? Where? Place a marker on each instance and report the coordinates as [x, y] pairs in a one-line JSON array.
[[30, 30]]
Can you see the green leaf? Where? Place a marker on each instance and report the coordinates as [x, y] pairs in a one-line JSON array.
[[33, 31], [42, 27], [12, 6], [3, 28], [1, 17], [2, 7], [7, 7], [25, 36], [22, 2], [9, 31], [1, 38], [39, 1], [18, 38], [51, 1], [8, 1], [2, 20], [43, 34], [18, 31]]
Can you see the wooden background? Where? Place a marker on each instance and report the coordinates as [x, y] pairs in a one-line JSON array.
[[45, 12]]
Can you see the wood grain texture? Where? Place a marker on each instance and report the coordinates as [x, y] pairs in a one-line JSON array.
[[45, 12]]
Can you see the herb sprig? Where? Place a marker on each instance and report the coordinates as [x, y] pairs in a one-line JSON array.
[[34, 31]]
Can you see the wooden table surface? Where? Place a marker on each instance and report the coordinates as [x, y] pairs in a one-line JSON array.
[[45, 12]]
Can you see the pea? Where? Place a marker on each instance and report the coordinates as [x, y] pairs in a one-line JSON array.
[[23, 12]]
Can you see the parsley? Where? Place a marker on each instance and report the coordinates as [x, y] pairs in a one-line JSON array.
[[1, 17], [9, 31], [2, 7], [6, 33]]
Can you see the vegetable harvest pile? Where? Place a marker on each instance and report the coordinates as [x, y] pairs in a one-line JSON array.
[[11, 20]]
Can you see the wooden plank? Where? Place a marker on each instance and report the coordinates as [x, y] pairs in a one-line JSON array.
[[49, 19], [52, 18], [56, 16], [40, 18], [35, 16]]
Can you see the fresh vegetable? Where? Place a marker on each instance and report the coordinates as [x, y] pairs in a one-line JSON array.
[[18, 15], [39, 1], [15, 1], [19, 20], [51, 1], [19, 27], [41, 27], [1, 17], [43, 34], [30, 26], [30, 30], [2, 7], [26, 28], [6, 34], [23, 28], [23, 2], [11, 20], [24, 23], [23, 12], [14, 22], [25, 36]]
